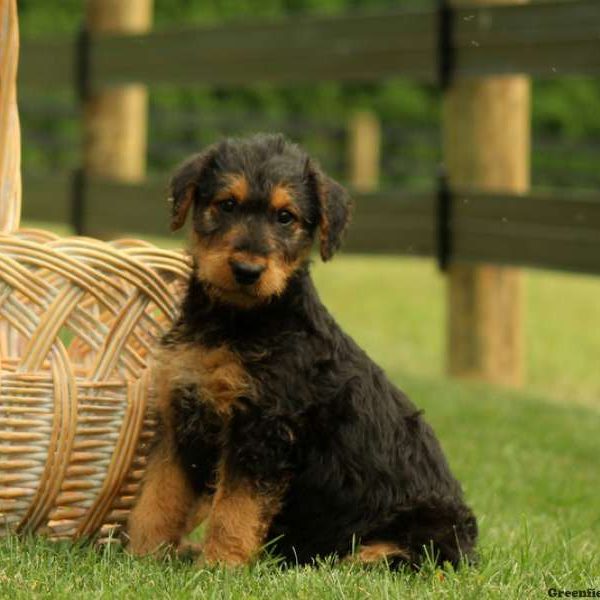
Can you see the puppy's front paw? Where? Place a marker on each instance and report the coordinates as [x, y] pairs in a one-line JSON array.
[[146, 548], [228, 559]]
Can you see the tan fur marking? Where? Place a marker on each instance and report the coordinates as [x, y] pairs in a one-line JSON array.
[[181, 209], [252, 259], [378, 551], [161, 513], [238, 524], [275, 278], [236, 186], [218, 373], [281, 197], [215, 270]]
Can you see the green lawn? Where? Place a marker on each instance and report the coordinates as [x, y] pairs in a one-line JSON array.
[[528, 459]]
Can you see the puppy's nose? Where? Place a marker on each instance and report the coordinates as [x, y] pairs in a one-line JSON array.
[[246, 273]]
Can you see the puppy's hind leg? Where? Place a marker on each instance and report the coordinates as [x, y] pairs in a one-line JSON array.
[[377, 552], [443, 529]]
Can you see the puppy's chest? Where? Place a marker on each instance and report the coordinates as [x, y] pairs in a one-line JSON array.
[[222, 381], [213, 376]]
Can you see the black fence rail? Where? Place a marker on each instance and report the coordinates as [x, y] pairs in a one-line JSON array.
[[542, 229], [549, 39]]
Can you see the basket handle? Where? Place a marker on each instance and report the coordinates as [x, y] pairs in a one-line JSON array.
[[10, 134]]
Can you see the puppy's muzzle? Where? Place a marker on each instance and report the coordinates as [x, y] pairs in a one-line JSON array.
[[246, 273]]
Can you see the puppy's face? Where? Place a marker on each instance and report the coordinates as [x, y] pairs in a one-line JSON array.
[[257, 204]]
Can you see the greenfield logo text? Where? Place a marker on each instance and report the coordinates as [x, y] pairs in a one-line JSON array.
[[589, 593]]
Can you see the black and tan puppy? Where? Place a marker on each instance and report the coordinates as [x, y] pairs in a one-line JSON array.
[[275, 426]]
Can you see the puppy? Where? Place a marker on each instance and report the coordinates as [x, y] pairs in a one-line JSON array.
[[275, 427]]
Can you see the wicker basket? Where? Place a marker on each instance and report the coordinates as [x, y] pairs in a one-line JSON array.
[[78, 319]]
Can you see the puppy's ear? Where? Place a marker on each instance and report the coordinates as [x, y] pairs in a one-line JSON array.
[[334, 209], [183, 185]]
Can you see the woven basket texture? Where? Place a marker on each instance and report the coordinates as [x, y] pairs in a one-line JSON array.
[[78, 320]]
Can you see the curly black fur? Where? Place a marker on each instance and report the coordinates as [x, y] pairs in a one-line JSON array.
[[360, 462]]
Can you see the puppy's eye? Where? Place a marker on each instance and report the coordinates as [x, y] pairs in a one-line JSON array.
[[285, 217], [228, 205]]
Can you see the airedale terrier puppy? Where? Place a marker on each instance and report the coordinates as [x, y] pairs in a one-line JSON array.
[[275, 426]]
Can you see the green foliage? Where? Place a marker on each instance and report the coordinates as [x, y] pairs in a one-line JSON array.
[[570, 106], [315, 115], [51, 17], [61, 16]]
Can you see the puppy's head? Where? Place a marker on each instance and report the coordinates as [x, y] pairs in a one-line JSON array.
[[257, 205]]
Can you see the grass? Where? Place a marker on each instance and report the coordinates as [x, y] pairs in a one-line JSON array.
[[528, 459], [529, 469]]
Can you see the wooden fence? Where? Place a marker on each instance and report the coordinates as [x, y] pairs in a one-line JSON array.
[[542, 229], [552, 39], [481, 56], [546, 39]]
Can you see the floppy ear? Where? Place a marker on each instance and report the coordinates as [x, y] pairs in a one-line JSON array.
[[334, 209], [183, 184]]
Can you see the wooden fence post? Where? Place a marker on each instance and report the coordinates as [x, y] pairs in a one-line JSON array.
[[364, 149], [487, 146], [115, 119]]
